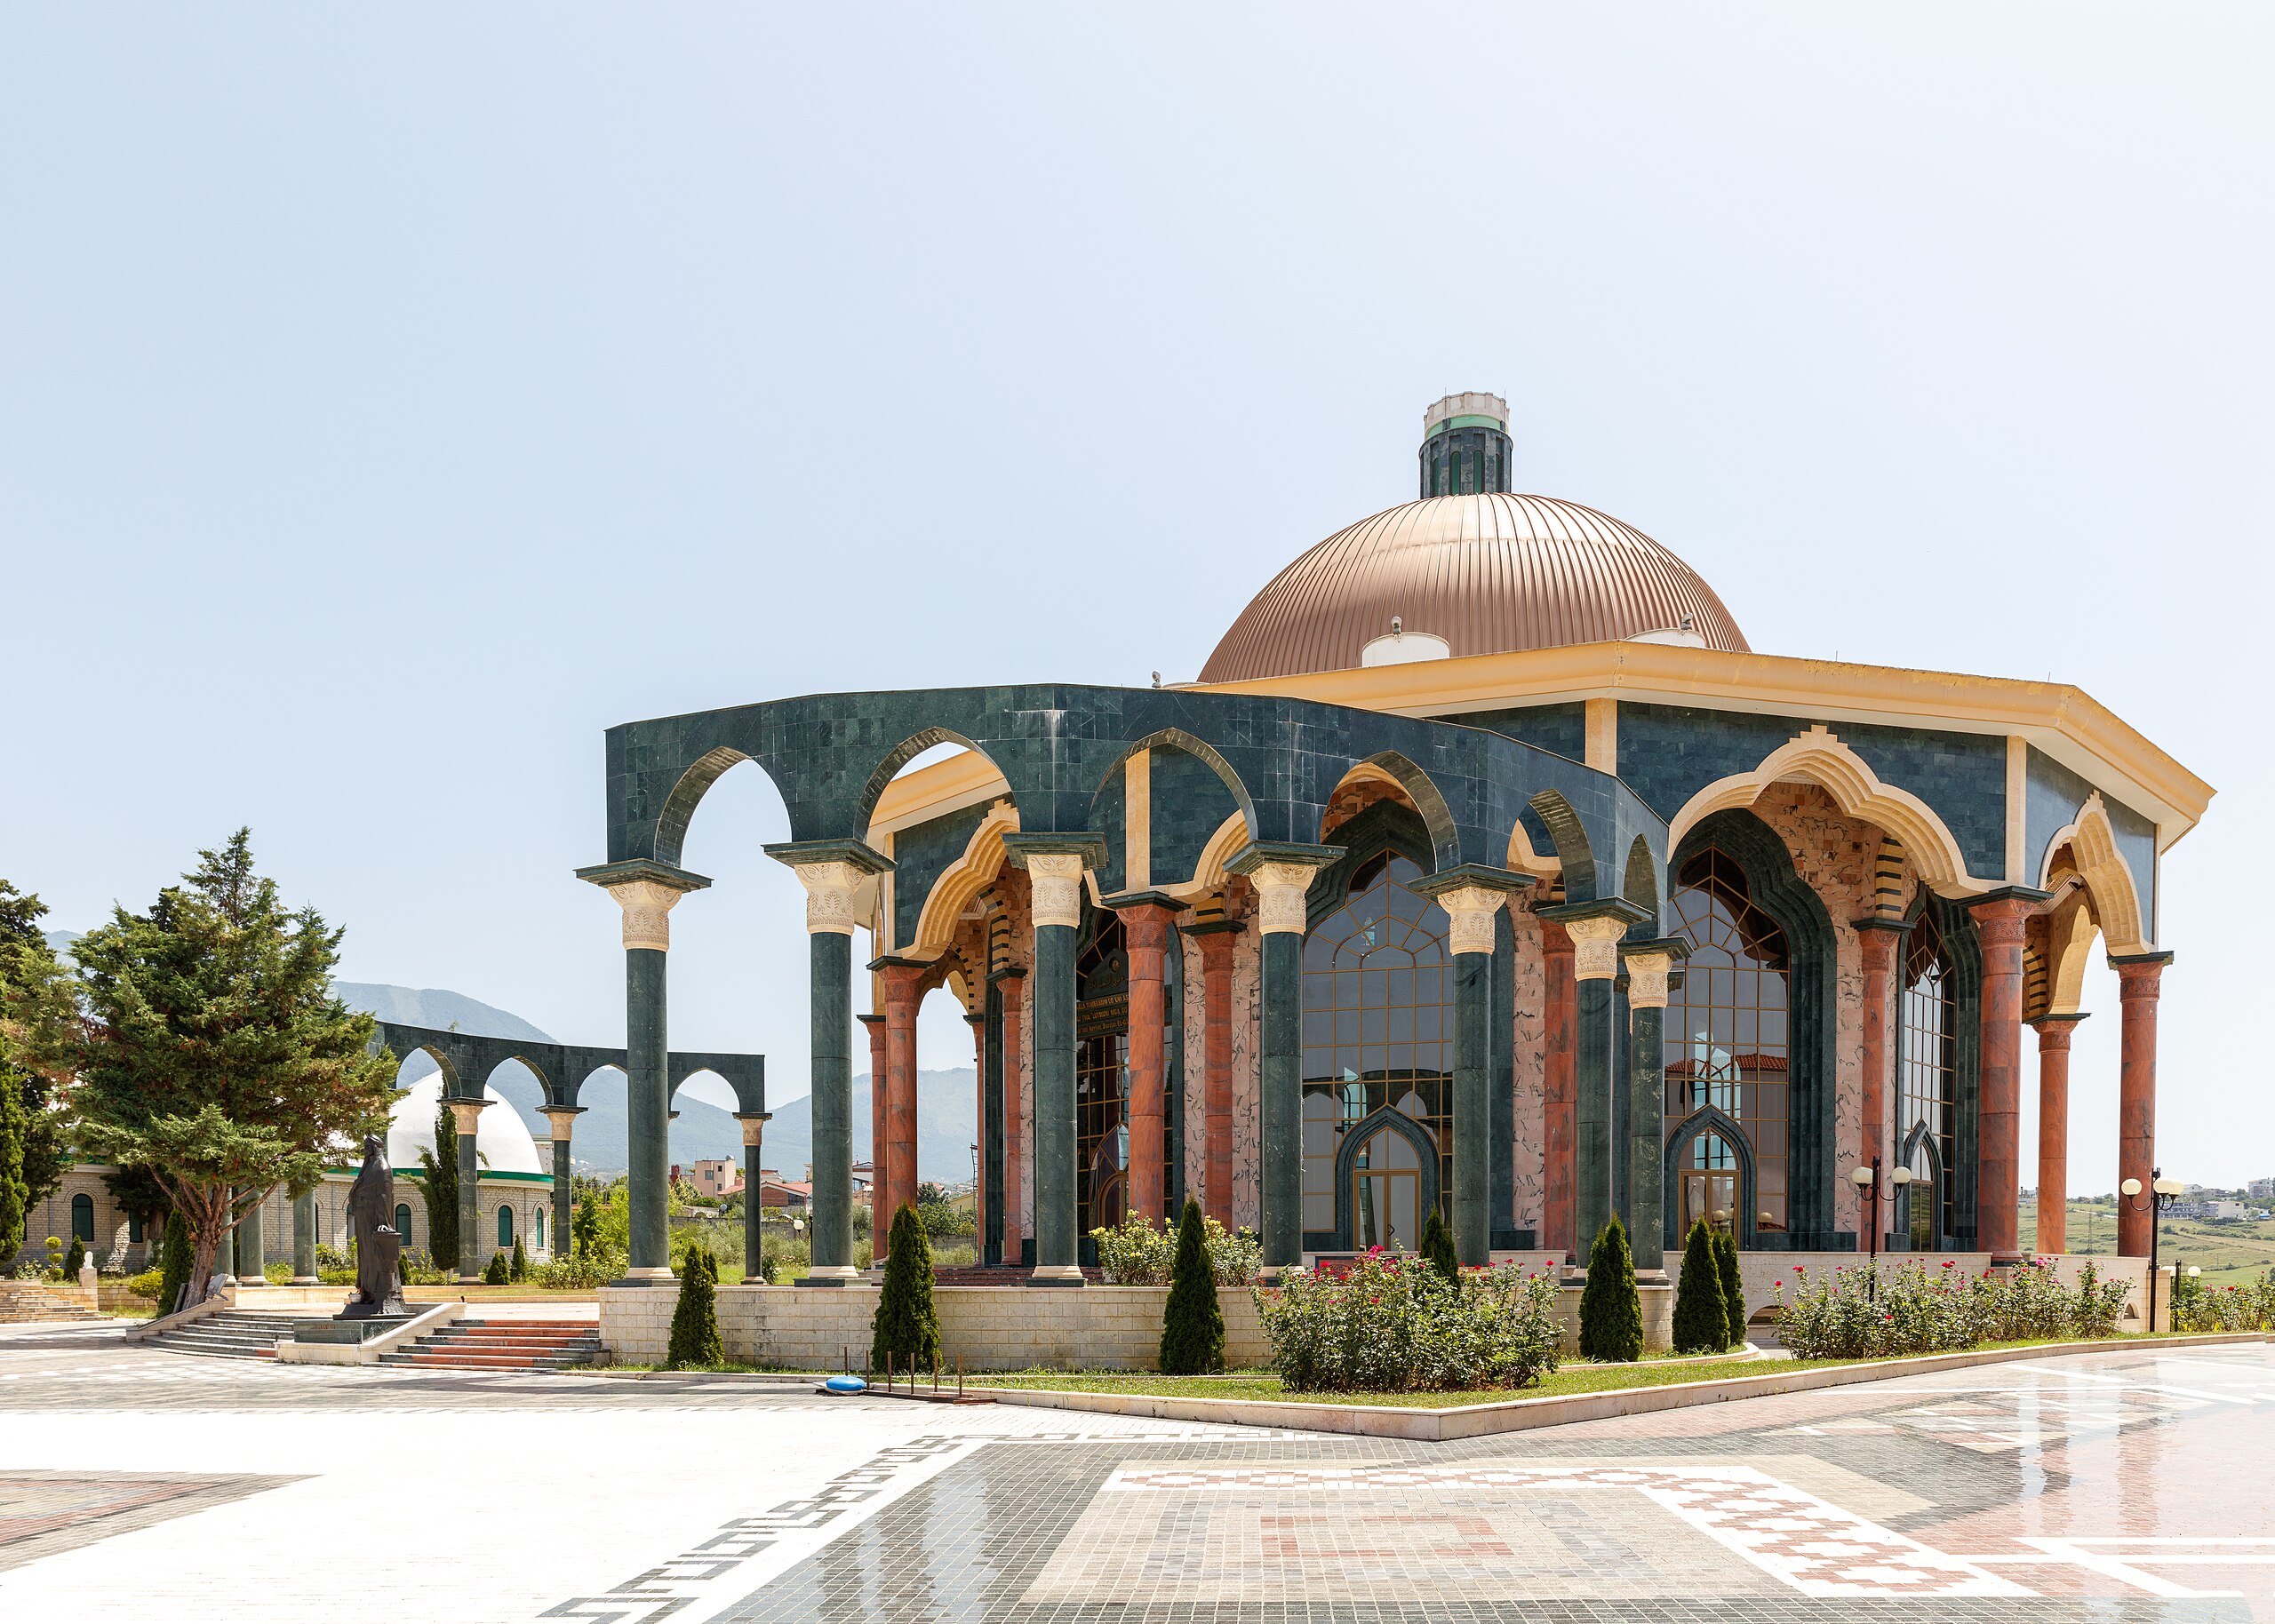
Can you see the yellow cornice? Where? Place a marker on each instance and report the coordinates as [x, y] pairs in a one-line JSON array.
[[948, 785], [2066, 722]]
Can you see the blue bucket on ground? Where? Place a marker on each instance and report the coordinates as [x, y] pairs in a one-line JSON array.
[[845, 1384]]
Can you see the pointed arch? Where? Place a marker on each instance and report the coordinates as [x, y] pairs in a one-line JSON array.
[[1708, 1119], [1428, 1198], [1819, 757], [1178, 738], [1574, 855], [2070, 932], [1422, 791], [901, 754], [2091, 845], [1641, 884], [960, 885]]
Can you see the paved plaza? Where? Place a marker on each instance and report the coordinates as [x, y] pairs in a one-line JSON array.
[[140, 1486]]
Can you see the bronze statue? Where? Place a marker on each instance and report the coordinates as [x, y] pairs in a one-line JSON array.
[[370, 1208]]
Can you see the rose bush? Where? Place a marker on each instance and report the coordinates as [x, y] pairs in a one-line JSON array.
[[1919, 1309], [1394, 1325], [2199, 1308]]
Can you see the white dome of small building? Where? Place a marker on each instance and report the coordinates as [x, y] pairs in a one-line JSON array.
[[503, 1144]]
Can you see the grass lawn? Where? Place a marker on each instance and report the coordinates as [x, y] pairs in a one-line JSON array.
[[1575, 1377], [2228, 1254]]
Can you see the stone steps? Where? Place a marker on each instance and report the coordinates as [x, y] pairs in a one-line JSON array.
[[24, 1302], [235, 1333], [502, 1344]]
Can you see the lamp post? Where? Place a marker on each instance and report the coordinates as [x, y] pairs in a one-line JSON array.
[[2162, 1193], [1869, 1197]]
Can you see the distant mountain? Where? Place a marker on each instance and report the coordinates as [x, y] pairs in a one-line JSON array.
[[947, 1107]]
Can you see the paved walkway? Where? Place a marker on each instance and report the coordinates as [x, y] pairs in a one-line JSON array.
[[140, 1485]]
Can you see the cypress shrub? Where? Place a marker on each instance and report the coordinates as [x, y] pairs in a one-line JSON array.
[[695, 1321], [1611, 1315], [402, 1268], [1193, 1324], [1438, 1248], [72, 1260], [519, 1270], [905, 1327], [1726, 1249], [497, 1274], [173, 1263], [1702, 1321]]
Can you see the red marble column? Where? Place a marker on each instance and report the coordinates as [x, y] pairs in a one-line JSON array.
[[1999, 925], [1560, 1128], [903, 984], [880, 1218], [1881, 942], [2139, 983], [1146, 933], [1215, 939], [1011, 981], [2054, 1031]]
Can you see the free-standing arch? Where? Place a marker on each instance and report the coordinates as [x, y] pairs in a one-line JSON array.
[[1818, 757]]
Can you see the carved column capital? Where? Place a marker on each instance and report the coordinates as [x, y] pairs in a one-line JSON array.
[[1648, 969], [467, 1114], [1595, 947], [831, 889], [1055, 888], [1281, 873], [754, 1124], [2139, 976], [563, 1119], [646, 891]]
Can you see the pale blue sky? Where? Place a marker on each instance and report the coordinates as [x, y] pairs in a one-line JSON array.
[[394, 401]]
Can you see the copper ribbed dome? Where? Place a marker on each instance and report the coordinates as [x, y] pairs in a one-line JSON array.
[[1489, 573]]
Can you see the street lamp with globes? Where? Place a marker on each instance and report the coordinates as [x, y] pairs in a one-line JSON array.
[[1869, 1196], [2162, 1193]]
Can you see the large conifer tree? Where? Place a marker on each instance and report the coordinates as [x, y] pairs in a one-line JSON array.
[[34, 1003], [439, 1191], [209, 1047]]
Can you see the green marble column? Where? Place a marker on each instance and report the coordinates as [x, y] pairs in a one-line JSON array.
[[753, 1193], [647, 1063], [1057, 1243], [563, 1119], [1472, 1110], [252, 1256], [831, 999], [1595, 928], [1649, 973], [1280, 1079], [473, 1256], [303, 1240]]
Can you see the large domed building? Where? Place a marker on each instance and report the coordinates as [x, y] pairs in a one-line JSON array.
[[1485, 868]]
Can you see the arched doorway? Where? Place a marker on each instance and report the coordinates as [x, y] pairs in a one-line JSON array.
[[1377, 1038], [1728, 1042]]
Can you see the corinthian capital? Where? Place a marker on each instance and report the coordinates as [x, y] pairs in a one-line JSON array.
[[833, 874], [1283, 875], [1055, 861], [647, 892]]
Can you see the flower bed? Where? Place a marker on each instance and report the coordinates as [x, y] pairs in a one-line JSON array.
[[1394, 1325], [2196, 1307], [1914, 1308], [1139, 1252]]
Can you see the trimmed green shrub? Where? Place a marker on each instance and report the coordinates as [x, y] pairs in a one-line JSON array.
[[1726, 1251], [402, 1268], [73, 1259], [519, 1270], [1392, 1325], [1193, 1324], [1438, 1248], [1702, 1319], [173, 1263], [1611, 1314], [499, 1271], [695, 1321], [905, 1327]]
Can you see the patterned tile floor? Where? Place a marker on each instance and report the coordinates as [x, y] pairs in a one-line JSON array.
[[140, 1486]]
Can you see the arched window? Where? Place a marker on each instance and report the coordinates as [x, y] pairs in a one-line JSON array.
[[1727, 1038], [1926, 1072], [402, 1221], [505, 1228], [1377, 1032], [536, 1228], [82, 1217]]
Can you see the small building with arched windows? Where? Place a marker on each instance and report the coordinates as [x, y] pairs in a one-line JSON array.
[[1485, 868]]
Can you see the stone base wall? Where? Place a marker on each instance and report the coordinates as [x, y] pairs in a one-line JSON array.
[[990, 1327]]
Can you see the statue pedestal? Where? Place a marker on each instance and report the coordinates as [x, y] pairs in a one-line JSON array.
[[348, 1330]]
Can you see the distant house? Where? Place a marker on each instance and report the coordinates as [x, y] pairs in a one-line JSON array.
[[783, 1195]]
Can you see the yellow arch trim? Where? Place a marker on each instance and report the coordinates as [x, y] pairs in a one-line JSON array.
[[962, 882], [1819, 757], [2069, 933], [2092, 847], [1209, 872]]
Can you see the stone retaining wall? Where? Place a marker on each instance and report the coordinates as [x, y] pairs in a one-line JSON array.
[[991, 1327]]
